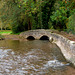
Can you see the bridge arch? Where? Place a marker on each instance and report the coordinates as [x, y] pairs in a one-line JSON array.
[[30, 38], [44, 37]]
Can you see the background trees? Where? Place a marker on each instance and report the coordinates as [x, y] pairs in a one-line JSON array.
[[63, 10], [21, 15]]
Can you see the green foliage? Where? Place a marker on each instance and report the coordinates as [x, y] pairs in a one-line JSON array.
[[71, 24], [5, 32], [21, 15], [47, 10], [26, 14], [61, 13]]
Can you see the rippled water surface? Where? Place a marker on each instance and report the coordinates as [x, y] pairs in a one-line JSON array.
[[32, 58]]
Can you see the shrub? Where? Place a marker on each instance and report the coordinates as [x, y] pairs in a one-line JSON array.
[[71, 24]]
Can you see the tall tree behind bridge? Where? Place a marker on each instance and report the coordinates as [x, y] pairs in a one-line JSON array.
[[26, 14]]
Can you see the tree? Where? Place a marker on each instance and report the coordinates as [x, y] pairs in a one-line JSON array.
[[47, 10], [62, 12], [26, 14]]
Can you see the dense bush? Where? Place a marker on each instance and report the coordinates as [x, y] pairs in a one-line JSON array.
[[26, 14], [63, 10], [71, 24]]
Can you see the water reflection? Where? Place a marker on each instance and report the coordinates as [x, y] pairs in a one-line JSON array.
[[32, 58]]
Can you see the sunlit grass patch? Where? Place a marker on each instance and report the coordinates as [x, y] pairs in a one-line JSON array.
[[5, 32]]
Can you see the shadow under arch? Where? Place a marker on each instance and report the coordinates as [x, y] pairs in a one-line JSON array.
[[30, 38], [44, 37]]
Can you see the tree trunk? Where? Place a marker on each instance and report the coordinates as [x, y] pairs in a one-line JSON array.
[[29, 24], [40, 15]]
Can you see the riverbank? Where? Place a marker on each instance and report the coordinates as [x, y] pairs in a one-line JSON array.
[[12, 37], [16, 37], [69, 36]]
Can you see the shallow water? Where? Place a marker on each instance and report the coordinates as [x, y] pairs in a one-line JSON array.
[[32, 58]]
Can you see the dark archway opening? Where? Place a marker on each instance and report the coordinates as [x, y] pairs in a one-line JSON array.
[[44, 38], [30, 38]]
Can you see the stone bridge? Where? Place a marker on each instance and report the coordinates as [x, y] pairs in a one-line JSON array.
[[37, 34], [67, 46]]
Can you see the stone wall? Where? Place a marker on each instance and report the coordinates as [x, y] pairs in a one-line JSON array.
[[67, 47]]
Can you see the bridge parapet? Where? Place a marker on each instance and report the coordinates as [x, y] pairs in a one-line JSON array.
[[35, 33]]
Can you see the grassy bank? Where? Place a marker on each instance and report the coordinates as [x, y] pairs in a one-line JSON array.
[[2, 32], [7, 32]]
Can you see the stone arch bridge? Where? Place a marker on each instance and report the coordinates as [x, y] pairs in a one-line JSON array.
[[67, 46], [37, 34]]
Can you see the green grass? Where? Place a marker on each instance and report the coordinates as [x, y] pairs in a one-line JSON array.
[[8, 32], [5, 32]]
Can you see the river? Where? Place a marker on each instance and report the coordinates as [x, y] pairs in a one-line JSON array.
[[35, 57]]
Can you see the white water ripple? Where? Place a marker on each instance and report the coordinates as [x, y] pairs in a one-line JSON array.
[[55, 63]]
